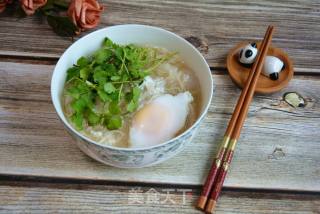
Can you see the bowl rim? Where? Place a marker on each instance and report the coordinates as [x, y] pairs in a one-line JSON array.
[[194, 125]]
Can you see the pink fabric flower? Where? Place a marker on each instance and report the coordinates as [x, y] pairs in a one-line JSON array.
[[85, 14], [30, 6]]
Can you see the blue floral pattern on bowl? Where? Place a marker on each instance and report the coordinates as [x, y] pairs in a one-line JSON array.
[[134, 158]]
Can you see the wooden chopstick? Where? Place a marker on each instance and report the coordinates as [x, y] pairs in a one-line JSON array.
[[224, 144], [239, 123]]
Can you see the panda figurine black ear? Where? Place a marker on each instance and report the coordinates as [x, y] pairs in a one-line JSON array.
[[254, 45], [248, 54]]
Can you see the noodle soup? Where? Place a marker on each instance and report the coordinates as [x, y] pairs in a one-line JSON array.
[[131, 96]]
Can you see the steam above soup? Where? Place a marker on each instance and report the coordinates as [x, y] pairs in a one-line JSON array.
[[131, 96]]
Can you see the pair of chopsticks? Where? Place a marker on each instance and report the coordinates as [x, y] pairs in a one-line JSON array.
[[213, 185]]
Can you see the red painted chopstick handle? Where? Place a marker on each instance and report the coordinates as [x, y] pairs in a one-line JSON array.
[[220, 179], [212, 174]]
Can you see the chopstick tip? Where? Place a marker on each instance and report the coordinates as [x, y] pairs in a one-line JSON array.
[[202, 202], [211, 206]]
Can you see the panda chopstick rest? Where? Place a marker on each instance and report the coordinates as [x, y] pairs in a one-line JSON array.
[[277, 68], [271, 67], [248, 54]]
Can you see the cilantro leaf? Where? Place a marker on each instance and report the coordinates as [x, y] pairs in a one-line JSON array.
[[114, 96], [114, 108], [77, 88], [79, 105], [82, 61], [119, 52], [115, 78], [72, 72], [103, 95], [74, 92], [107, 42], [82, 103], [100, 76], [77, 119], [114, 122], [84, 73], [109, 88], [109, 69], [93, 118], [102, 55], [132, 106], [136, 94]]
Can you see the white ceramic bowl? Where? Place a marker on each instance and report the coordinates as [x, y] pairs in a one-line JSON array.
[[137, 34]]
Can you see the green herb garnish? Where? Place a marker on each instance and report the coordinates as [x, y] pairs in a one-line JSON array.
[[105, 86]]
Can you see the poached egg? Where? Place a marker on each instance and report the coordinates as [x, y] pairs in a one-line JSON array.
[[159, 120]]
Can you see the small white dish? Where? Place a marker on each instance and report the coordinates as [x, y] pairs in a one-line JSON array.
[[141, 35]]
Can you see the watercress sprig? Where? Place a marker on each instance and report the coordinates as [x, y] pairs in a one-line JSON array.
[[105, 86]]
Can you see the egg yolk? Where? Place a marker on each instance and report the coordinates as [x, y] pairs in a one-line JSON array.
[[151, 119]]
